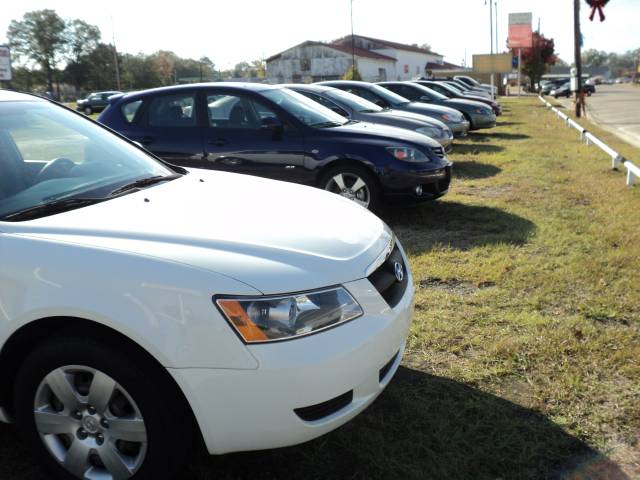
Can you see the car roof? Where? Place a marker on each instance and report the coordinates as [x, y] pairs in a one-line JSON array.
[[11, 96], [344, 82], [256, 87], [307, 87]]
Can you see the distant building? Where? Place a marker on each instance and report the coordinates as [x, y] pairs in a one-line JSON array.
[[376, 60]]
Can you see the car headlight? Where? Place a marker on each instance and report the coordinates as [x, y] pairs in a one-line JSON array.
[[268, 319], [452, 118], [483, 111], [408, 154], [430, 131]]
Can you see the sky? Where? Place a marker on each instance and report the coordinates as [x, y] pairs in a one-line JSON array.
[[232, 31]]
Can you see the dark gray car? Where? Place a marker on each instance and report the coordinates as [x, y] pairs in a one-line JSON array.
[[95, 102], [387, 99], [357, 108], [478, 114]]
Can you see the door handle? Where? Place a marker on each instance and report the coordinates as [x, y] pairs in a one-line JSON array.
[[146, 140], [218, 142]]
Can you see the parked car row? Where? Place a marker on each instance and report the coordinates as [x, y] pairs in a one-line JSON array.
[[367, 142], [149, 311], [562, 88]]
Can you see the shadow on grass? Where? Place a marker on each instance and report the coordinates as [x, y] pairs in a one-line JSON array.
[[508, 124], [489, 136], [456, 225], [468, 169], [426, 427], [422, 426], [475, 149]]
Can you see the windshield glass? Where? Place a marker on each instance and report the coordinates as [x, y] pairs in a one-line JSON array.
[[432, 93], [388, 95], [456, 87], [48, 153], [304, 109], [354, 102]]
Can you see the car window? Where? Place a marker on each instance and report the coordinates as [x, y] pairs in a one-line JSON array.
[[236, 111], [326, 103], [353, 101], [366, 94], [304, 109], [175, 110], [91, 161], [130, 109], [94, 98]]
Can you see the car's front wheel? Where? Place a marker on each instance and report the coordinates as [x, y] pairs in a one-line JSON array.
[[353, 182], [93, 411], [88, 110]]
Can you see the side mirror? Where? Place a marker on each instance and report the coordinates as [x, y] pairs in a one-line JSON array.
[[381, 103], [271, 123]]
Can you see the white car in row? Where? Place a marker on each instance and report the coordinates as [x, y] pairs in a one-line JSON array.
[[143, 305]]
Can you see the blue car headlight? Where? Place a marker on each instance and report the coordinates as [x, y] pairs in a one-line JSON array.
[[407, 154]]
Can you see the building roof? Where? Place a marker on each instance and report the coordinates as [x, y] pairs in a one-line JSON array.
[[359, 52], [398, 46], [444, 66]]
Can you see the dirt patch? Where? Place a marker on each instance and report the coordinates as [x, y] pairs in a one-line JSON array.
[[494, 191], [454, 285]]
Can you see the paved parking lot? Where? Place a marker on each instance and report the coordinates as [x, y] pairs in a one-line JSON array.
[[617, 108]]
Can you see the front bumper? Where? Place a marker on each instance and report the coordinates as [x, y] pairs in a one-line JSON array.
[[459, 129], [400, 185], [241, 410], [483, 121]]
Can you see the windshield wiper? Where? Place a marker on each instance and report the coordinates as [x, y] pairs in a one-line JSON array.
[[144, 182], [327, 124], [50, 208]]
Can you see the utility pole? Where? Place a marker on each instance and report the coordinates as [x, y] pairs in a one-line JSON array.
[[115, 55], [491, 30], [578, 56], [353, 42], [497, 49]]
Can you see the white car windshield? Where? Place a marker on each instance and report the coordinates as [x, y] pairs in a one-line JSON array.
[[51, 155], [304, 109]]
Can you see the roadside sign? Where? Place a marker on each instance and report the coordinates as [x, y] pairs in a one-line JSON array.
[[499, 63], [520, 32], [5, 63]]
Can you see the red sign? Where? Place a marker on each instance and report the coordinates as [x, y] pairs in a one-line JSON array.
[[520, 36]]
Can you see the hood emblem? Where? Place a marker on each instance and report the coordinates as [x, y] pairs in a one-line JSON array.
[[399, 271]]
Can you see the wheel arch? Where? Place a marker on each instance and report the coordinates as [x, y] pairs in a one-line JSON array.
[[347, 162], [21, 342]]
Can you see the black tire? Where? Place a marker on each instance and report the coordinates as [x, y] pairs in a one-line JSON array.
[[169, 425], [375, 192], [88, 111]]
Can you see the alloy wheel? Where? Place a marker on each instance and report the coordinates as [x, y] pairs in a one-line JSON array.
[[90, 424], [351, 186]]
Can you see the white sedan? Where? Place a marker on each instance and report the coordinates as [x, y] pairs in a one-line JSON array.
[[143, 305]]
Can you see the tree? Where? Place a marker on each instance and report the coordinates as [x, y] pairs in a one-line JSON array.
[[595, 58], [537, 59], [352, 74], [165, 63], [241, 70], [39, 37], [82, 39]]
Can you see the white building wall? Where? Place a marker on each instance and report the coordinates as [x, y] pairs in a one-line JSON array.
[[409, 65], [369, 69], [306, 62]]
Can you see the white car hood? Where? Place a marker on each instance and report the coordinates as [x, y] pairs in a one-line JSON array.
[[275, 236]]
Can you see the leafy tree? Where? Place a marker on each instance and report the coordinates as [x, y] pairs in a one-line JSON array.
[[241, 70], [138, 71], [352, 74], [537, 59], [82, 39], [165, 63], [39, 37]]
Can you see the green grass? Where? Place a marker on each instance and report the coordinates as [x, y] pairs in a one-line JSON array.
[[523, 360]]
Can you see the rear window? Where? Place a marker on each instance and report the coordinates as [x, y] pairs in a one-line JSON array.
[[130, 109]]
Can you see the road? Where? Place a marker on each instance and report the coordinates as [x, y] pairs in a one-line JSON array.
[[616, 108]]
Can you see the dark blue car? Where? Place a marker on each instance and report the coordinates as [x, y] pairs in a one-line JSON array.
[[277, 133]]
